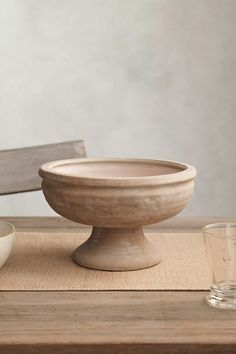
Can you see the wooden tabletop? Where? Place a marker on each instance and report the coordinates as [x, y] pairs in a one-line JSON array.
[[138, 322]]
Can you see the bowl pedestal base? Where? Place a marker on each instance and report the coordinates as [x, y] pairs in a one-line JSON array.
[[116, 249]]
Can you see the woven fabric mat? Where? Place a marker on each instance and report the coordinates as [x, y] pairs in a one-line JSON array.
[[41, 261]]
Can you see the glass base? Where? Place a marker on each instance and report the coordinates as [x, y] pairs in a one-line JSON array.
[[222, 297]]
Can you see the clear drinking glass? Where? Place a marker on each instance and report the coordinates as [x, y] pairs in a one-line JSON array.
[[220, 240]]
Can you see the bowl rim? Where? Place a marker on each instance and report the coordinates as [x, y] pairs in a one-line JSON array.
[[10, 233], [188, 173]]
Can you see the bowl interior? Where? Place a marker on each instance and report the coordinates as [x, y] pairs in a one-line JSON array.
[[116, 168], [6, 229]]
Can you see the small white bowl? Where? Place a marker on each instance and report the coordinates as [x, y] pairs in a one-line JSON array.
[[7, 235]]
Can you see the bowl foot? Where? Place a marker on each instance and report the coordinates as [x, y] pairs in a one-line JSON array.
[[116, 249]]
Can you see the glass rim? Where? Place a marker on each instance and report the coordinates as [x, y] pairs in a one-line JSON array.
[[209, 229]]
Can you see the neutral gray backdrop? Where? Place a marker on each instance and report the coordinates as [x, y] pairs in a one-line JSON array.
[[138, 78]]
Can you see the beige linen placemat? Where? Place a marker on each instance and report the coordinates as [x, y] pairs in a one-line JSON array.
[[41, 261]]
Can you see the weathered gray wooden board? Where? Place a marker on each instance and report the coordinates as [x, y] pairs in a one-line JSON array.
[[19, 167]]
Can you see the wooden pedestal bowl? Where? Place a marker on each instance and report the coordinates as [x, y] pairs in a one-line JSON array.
[[117, 197]]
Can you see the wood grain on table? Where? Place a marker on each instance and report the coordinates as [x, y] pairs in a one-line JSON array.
[[49, 223], [113, 321]]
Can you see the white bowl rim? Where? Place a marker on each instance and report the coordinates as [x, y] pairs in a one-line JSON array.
[[7, 234], [188, 173]]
